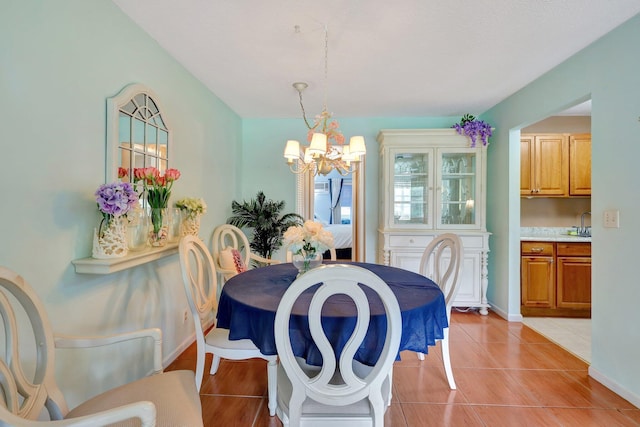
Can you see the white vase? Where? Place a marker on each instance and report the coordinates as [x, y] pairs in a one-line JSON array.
[[111, 240], [191, 224]]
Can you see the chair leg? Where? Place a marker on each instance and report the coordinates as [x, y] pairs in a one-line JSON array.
[[272, 385], [420, 356], [214, 364], [200, 355], [447, 360]]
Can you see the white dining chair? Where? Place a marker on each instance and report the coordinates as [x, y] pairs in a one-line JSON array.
[[29, 388], [232, 253], [344, 392], [200, 284], [442, 262]]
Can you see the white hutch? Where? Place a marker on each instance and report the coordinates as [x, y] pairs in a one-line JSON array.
[[433, 182]]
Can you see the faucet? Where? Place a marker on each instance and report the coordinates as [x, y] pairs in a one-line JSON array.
[[584, 231]]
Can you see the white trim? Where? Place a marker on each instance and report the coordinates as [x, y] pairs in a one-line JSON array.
[[614, 386]]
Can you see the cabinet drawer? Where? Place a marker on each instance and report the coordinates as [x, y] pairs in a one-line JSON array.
[[537, 248], [410, 241], [574, 249]]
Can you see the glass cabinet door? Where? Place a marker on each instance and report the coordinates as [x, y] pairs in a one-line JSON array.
[[458, 190], [411, 196]]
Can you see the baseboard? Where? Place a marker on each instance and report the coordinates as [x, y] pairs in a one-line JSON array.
[[612, 385], [168, 359], [505, 315]]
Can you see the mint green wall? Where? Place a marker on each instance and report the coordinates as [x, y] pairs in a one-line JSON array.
[[606, 71], [59, 61], [264, 167]]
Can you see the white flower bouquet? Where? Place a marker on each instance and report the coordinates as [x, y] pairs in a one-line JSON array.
[[308, 240], [192, 206]]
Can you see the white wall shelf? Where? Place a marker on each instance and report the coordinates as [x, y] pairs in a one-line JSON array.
[[133, 259]]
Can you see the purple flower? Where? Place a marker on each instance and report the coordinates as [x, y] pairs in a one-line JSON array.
[[474, 129], [116, 199]]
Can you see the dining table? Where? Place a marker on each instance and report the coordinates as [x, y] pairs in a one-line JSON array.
[[248, 303]]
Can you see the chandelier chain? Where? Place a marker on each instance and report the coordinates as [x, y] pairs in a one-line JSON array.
[[326, 66]]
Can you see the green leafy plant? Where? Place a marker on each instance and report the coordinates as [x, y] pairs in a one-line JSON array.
[[264, 217]]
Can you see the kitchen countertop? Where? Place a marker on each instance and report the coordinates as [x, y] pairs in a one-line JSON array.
[[549, 234]]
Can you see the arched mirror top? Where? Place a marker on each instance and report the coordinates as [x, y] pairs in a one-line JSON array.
[[138, 135]]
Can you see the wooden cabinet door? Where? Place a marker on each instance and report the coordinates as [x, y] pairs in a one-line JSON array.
[[551, 165], [538, 282], [527, 186], [580, 165], [574, 282]]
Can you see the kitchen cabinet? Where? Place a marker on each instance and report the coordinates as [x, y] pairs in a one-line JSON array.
[[556, 279], [432, 182], [580, 165], [555, 165], [538, 279], [544, 165], [574, 275]]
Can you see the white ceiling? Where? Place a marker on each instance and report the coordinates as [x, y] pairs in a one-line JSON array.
[[387, 58]]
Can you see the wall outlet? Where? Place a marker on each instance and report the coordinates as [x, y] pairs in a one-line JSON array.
[[612, 219], [185, 316]]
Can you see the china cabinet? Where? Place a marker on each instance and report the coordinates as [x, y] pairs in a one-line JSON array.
[[432, 182]]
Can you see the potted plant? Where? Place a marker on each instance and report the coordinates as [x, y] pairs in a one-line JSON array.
[[264, 217]]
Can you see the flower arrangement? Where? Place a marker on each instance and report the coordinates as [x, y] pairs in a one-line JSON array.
[[329, 128], [192, 206], [157, 187], [158, 190], [474, 129], [114, 200], [308, 240]]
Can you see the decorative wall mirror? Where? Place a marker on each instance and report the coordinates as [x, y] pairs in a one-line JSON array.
[[306, 185], [137, 133]]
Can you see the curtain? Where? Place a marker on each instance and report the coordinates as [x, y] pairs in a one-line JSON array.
[[335, 191]]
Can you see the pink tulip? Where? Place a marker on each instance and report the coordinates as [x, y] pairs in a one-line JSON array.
[[138, 174], [122, 172], [172, 175]]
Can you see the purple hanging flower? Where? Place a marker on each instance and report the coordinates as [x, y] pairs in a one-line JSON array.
[[474, 129]]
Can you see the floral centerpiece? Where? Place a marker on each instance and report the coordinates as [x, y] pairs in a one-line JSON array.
[[114, 200], [158, 191], [192, 208], [474, 129], [308, 242]]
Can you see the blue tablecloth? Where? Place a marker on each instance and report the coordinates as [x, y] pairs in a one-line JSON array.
[[249, 301]]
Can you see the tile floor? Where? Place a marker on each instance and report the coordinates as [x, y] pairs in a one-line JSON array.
[[574, 335], [507, 375]]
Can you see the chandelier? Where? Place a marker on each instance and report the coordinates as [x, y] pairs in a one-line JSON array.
[[326, 150]]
